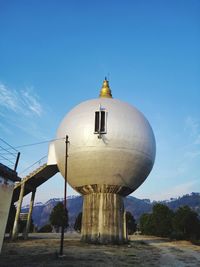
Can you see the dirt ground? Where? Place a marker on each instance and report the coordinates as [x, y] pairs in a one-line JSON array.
[[41, 250]]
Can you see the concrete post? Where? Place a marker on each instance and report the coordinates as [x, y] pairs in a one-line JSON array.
[[28, 223], [15, 227], [125, 228]]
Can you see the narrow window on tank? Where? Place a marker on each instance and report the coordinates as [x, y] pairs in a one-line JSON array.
[[96, 130], [100, 122], [102, 126]]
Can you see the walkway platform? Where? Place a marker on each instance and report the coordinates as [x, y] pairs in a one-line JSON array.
[[35, 179]]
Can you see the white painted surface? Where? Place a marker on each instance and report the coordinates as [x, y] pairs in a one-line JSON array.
[[124, 156], [51, 155], [6, 191]]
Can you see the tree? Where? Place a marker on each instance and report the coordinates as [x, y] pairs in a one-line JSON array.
[[183, 224], [186, 224], [158, 223], [59, 216], [78, 223], [130, 223], [47, 228], [22, 225], [162, 220], [146, 224]]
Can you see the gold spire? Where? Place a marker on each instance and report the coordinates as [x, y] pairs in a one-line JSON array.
[[105, 90]]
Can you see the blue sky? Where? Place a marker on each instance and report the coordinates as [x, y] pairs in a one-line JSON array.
[[55, 54]]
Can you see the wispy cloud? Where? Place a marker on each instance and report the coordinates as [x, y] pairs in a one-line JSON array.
[[192, 124], [8, 98], [197, 140], [192, 128], [192, 154], [31, 101], [24, 101], [5, 129], [176, 191], [21, 109]]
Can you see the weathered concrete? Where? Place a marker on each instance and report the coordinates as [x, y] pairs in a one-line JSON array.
[[16, 222], [29, 214], [125, 227], [6, 191], [103, 218]]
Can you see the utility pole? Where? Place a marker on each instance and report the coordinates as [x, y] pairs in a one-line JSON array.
[[17, 161], [65, 195]]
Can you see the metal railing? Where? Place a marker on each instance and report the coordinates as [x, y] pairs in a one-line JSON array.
[[33, 167]]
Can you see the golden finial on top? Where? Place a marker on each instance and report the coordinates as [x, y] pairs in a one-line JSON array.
[[105, 90]]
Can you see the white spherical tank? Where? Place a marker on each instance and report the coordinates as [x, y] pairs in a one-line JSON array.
[[121, 153]]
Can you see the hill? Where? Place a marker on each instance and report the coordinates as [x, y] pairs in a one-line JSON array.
[[192, 200], [136, 206]]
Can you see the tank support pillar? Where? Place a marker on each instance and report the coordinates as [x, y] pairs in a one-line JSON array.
[[103, 219]]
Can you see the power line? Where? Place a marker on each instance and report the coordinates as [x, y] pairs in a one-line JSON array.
[[2, 148], [9, 153], [8, 144], [11, 148], [6, 159], [38, 143]]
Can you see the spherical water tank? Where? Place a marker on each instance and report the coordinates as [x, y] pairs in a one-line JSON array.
[[111, 144]]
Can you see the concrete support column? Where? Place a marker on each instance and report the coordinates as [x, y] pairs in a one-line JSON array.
[[16, 222], [103, 218], [28, 223]]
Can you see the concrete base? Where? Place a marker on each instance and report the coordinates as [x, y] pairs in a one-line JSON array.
[[6, 191], [103, 219]]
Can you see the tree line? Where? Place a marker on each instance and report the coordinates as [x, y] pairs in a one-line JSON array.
[[183, 224]]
